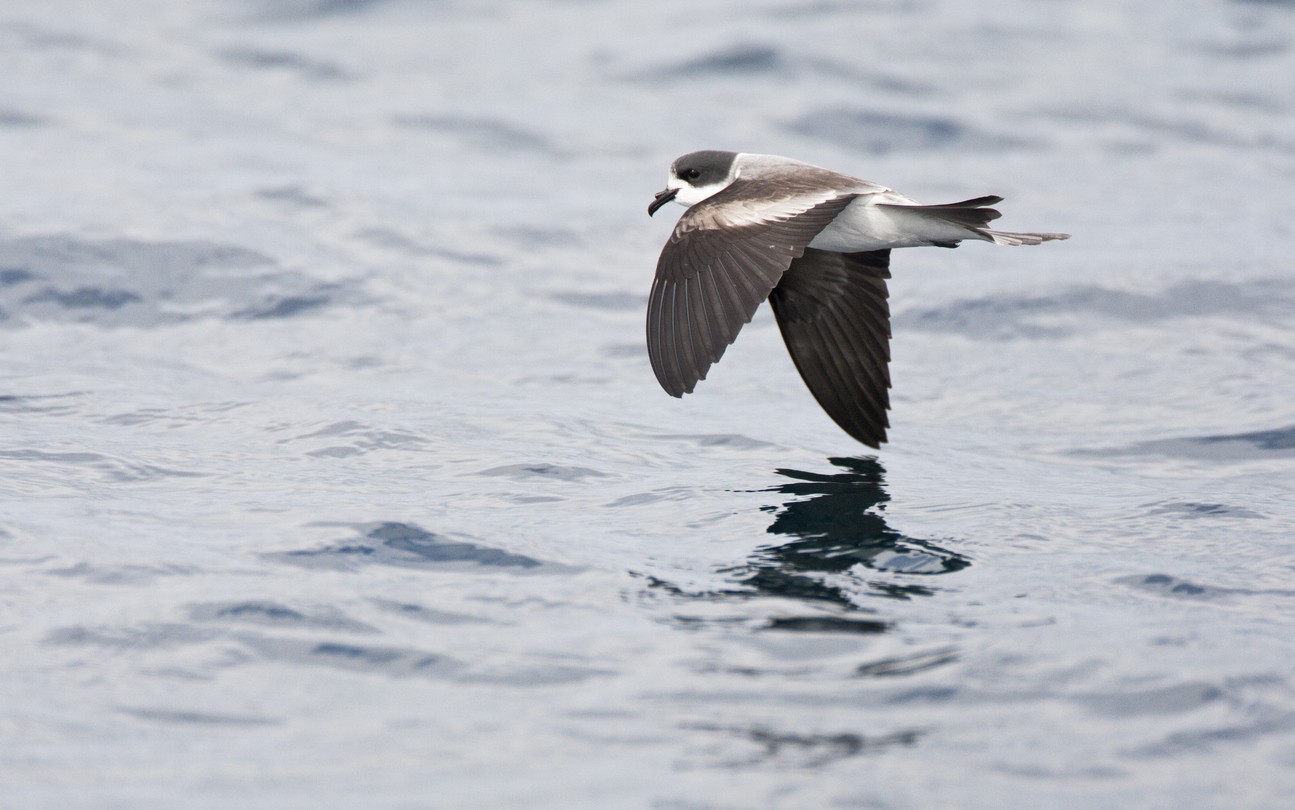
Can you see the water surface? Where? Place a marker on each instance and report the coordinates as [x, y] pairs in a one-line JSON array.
[[333, 471]]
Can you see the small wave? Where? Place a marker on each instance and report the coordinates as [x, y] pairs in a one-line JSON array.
[[734, 60], [185, 717], [1175, 588], [1173, 699], [489, 134], [611, 301], [349, 438], [305, 66], [125, 282], [906, 665], [1004, 317], [427, 615], [17, 119], [120, 574], [406, 546], [274, 614], [804, 749], [110, 467], [1194, 510], [556, 472], [1253, 446], [882, 132], [144, 637], [315, 9], [390, 661]]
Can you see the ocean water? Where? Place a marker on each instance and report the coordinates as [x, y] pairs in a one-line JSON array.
[[333, 472]]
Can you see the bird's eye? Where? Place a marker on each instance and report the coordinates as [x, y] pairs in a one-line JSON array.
[[689, 174]]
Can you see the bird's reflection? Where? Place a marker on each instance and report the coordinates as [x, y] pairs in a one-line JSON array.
[[835, 523]]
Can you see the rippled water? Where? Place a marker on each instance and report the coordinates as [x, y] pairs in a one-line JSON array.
[[333, 472]]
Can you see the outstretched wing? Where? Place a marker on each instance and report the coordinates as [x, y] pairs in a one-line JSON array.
[[835, 319], [727, 253]]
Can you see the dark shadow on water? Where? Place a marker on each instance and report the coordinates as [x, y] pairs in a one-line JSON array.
[[835, 523], [833, 549]]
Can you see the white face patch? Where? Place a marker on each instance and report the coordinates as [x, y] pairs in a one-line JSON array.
[[689, 194]]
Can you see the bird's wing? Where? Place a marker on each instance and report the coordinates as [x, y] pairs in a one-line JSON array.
[[725, 256], [834, 316]]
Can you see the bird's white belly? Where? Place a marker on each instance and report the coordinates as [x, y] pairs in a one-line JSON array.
[[864, 225]]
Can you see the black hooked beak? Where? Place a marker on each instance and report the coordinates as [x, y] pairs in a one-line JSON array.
[[660, 199]]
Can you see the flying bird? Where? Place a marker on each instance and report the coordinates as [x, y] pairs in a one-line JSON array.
[[814, 242]]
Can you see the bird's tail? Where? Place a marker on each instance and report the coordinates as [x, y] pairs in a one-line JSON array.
[[1010, 238], [975, 215]]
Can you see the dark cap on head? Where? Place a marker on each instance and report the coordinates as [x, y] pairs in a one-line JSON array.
[[704, 168]]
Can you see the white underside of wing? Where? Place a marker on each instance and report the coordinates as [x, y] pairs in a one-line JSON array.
[[880, 221]]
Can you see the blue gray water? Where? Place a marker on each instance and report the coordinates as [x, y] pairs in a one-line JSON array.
[[333, 472]]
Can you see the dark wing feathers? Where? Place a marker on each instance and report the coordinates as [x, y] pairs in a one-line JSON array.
[[971, 213], [974, 202], [833, 312], [712, 277]]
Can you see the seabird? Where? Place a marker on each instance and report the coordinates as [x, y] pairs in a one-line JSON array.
[[814, 242]]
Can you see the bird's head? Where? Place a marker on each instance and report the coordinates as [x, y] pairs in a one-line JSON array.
[[695, 177]]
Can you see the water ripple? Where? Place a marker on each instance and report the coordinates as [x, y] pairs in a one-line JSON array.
[[733, 60], [360, 439], [1252, 446], [1176, 588], [185, 717], [18, 119], [121, 574], [144, 637], [110, 468], [1172, 699], [907, 665], [1007, 316], [407, 546], [556, 472], [390, 661], [489, 134], [883, 132], [126, 282], [305, 66], [276, 615], [810, 750]]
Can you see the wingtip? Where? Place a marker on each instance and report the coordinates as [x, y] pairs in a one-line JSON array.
[[874, 443], [870, 435], [676, 391], [672, 386]]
